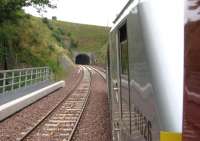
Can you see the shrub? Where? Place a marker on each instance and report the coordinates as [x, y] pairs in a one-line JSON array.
[[57, 36], [61, 31], [49, 25], [73, 43], [45, 20], [69, 34], [54, 18], [51, 48]]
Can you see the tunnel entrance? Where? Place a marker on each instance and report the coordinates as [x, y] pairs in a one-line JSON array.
[[82, 59]]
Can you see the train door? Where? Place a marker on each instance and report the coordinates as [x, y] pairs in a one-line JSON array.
[[145, 121], [114, 86], [124, 82]]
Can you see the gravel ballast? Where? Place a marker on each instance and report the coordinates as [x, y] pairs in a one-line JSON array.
[[95, 123], [15, 126]]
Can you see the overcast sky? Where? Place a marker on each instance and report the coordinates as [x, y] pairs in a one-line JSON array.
[[96, 12]]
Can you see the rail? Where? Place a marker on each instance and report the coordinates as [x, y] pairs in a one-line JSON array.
[[101, 73], [60, 105], [11, 80]]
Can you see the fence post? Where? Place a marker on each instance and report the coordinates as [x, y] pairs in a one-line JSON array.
[[26, 79], [31, 76], [41, 74], [47, 73], [13, 77], [4, 81], [36, 75], [20, 74]]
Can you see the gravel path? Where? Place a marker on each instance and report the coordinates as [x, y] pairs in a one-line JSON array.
[[95, 123], [14, 127]]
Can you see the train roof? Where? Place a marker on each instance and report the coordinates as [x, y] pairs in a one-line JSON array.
[[124, 12]]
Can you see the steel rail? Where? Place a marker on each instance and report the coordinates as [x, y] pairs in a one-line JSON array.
[[99, 72], [83, 108], [50, 112]]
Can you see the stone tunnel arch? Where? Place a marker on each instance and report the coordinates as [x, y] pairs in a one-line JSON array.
[[82, 59]]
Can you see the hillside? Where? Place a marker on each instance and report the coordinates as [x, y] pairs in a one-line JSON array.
[[31, 42], [85, 38]]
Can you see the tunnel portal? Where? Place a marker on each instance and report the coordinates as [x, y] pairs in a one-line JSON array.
[[82, 59]]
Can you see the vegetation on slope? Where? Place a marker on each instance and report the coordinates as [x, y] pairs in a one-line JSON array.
[[10, 9], [27, 41], [30, 43], [86, 38]]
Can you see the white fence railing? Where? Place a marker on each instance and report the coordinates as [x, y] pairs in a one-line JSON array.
[[11, 80]]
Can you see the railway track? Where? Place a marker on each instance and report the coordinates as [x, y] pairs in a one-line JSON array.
[[60, 123], [100, 72], [95, 123]]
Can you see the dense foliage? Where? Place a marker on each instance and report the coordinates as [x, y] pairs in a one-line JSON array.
[[12, 17], [27, 41], [11, 9]]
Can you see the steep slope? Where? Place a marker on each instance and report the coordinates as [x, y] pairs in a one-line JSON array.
[[32, 45], [86, 38], [32, 42]]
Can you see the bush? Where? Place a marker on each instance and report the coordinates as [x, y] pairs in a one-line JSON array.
[[61, 31], [34, 38], [73, 43], [54, 18], [57, 36], [45, 20], [69, 34], [28, 16], [49, 25], [51, 48]]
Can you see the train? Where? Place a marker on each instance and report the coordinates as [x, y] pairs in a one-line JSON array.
[[153, 71]]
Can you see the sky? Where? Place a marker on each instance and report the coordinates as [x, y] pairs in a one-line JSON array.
[[95, 12]]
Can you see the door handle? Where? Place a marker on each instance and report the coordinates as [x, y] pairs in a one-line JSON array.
[[116, 89]]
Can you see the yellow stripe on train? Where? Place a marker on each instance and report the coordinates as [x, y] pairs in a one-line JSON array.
[[170, 136]]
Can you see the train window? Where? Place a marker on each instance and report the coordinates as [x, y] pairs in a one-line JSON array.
[[123, 33], [123, 49], [124, 57], [124, 79]]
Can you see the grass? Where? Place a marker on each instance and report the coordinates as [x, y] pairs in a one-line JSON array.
[[90, 38], [42, 42]]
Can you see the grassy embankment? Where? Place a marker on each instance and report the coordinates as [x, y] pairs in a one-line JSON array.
[[86, 38], [40, 42]]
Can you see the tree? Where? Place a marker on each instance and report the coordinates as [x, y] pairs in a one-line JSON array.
[[8, 38], [54, 18], [10, 9]]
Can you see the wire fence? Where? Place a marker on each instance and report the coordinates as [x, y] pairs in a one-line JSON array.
[[11, 80]]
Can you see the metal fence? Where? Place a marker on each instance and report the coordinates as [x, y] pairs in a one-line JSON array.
[[11, 80]]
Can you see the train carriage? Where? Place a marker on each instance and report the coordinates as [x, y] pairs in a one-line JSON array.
[[146, 71]]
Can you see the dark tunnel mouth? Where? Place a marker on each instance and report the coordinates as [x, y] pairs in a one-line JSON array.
[[82, 59]]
